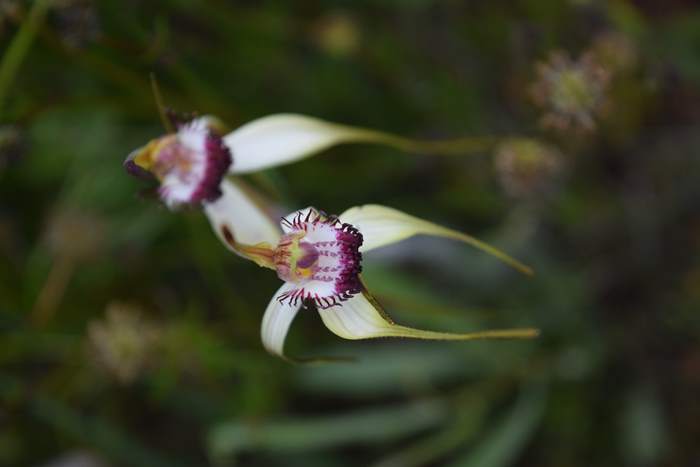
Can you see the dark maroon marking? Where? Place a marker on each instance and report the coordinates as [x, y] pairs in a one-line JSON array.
[[349, 239], [310, 256], [135, 171], [218, 160], [228, 235]]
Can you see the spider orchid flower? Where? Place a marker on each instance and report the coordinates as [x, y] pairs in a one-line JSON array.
[[319, 258], [191, 162]]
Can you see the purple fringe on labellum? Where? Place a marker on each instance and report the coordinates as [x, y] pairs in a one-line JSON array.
[[349, 240], [337, 261], [218, 161]]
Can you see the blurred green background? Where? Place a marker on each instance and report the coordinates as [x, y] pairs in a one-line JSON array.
[[130, 337]]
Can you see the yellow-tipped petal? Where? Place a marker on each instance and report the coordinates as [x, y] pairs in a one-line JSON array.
[[382, 226], [242, 223], [361, 317]]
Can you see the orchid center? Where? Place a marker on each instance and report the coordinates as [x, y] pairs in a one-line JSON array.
[[321, 257], [295, 259]]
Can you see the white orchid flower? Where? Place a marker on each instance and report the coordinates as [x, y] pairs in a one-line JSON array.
[[319, 258]]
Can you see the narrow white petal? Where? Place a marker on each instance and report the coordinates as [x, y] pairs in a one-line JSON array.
[[276, 321], [380, 226], [361, 317], [283, 138], [244, 216]]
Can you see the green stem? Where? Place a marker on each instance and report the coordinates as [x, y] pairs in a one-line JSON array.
[[167, 124], [19, 47]]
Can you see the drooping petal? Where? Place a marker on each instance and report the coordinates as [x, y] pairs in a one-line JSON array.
[[240, 218], [276, 321], [361, 317], [382, 226], [284, 138]]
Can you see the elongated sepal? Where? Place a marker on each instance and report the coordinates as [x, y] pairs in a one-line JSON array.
[[382, 226], [361, 317], [241, 221]]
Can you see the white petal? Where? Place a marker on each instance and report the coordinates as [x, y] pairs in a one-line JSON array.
[[361, 317], [276, 321], [243, 215], [380, 226], [284, 138]]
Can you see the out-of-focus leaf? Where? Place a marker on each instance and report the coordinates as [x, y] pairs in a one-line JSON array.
[[507, 439], [385, 369], [431, 448], [314, 433], [99, 434], [643, 428], [393, 367]]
